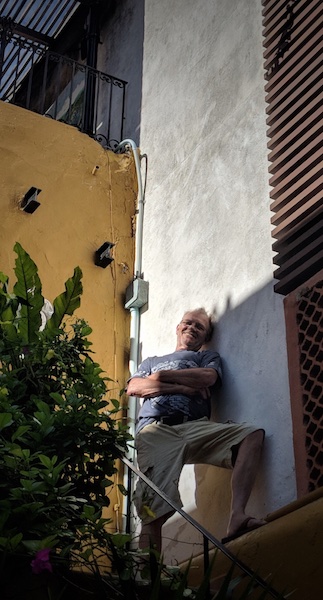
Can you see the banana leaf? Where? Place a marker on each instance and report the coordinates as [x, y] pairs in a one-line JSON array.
[[67, 302], [28, 289]]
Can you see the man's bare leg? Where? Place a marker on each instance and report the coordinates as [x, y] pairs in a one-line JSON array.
[[243, 477], [151, 533]]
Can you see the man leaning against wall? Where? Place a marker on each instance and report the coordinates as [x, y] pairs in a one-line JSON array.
[[174, 428]]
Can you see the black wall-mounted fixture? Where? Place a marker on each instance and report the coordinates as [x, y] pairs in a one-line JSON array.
[[102, 257], [29, 202]]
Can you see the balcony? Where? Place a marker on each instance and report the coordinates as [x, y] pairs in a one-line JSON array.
[[35, 78]]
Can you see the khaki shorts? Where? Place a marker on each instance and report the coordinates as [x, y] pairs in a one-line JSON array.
[[163, 450]]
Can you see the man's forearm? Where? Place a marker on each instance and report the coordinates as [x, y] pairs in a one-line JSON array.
[[196, 378], [149, 387]]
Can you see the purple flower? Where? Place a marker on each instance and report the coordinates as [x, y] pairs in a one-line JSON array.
[[41, 562]]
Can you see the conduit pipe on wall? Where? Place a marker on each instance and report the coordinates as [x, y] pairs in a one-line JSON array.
[[135, 311], [140, 217]]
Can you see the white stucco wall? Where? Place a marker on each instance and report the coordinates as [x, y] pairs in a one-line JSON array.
[[207, 228], [207, 237]]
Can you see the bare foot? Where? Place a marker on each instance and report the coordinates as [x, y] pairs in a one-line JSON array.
[[238, 527]]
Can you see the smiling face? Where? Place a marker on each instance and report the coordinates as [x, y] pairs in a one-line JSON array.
[[192, 331]]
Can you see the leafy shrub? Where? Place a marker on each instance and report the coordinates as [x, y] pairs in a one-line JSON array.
[[59, 440]]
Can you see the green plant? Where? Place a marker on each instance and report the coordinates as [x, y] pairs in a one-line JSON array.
[[59, 439]]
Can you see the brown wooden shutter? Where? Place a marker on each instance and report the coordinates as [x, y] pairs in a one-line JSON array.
[[293, 32]]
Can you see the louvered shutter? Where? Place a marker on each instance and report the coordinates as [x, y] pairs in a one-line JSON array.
[[293, 54]]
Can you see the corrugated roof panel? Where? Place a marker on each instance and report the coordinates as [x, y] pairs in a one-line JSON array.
[[43, 16]]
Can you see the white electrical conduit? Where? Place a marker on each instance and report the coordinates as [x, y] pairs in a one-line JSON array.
[[134, 311]]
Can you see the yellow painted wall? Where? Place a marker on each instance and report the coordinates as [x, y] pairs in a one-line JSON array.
[[79, 211]]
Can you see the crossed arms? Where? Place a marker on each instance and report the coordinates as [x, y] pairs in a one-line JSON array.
[[188, 382]]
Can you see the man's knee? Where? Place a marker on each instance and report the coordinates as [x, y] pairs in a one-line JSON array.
[[254, 441], [258, 436]]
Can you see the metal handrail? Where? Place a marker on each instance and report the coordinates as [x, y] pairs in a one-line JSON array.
[[207, 536]]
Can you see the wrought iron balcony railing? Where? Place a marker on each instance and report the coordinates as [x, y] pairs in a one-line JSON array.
[[47, 83]]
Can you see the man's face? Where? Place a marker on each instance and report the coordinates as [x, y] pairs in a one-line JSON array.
[[192, 331]]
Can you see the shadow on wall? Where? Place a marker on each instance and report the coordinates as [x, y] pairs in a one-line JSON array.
[[251, 340]]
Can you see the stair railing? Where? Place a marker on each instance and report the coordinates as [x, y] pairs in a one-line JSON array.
[[207, 536]]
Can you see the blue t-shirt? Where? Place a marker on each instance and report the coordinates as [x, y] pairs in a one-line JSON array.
[[194, 407]]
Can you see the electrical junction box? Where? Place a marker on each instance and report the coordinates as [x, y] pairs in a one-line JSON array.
[[136, 294]]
